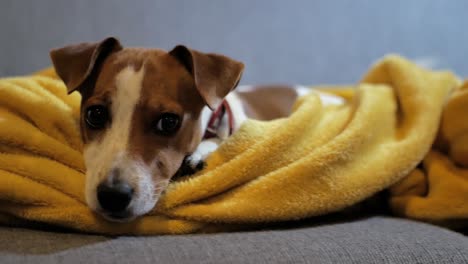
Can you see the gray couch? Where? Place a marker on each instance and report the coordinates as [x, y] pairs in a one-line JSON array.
[[373, 239]]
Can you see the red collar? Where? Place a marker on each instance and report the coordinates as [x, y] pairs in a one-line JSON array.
[[215, 120]]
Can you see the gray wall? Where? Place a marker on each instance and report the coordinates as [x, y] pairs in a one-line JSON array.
[[306, 42]]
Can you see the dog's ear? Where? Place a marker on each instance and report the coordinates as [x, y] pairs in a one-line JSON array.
[[214, 75], [75, 63]]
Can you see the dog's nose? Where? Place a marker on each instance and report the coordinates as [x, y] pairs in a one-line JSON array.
[[114, 198]]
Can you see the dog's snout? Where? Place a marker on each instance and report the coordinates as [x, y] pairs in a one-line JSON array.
[[114, 198]]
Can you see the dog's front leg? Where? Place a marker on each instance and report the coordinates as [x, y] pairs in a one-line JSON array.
[[196, 161]]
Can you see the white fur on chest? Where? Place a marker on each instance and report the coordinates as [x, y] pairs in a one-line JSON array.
[[239, 113]]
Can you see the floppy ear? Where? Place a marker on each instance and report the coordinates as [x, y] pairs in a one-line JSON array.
[[75, 63], [215, 75]]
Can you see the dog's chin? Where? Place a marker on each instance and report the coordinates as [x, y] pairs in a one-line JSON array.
[[118, 218], [129, 215]]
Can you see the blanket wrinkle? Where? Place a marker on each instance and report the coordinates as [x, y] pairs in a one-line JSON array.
[[437, 191], [319, 160]]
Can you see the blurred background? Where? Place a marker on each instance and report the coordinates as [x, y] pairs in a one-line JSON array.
[[297, 41]]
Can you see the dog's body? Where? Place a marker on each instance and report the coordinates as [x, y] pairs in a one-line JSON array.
[[251, 102], [145, 111]]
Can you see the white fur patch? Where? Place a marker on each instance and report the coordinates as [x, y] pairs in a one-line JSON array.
[[205, 117], [326, 98], [204, 149], [238, 114], [237, 109], [112, 150]]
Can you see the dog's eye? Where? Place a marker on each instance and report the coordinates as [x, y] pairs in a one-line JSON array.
[[167, 124], [97, 116]]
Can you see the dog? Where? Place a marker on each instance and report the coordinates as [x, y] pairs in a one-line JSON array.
[[148, 114]]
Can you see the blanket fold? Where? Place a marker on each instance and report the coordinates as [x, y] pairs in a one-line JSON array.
[[437, 191], [318, 160]]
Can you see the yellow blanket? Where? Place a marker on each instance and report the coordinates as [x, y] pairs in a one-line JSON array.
[[318, 160]]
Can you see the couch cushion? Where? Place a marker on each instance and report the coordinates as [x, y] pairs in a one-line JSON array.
[[368, 240]]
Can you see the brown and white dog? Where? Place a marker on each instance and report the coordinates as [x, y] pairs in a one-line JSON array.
[[144, 112]]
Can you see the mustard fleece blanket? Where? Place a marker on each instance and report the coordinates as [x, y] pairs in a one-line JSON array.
[[317, 161]]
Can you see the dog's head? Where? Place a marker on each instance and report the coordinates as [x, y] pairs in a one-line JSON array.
[[140, 116]]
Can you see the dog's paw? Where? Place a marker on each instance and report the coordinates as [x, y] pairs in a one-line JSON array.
[[196, 161], [191, 165]]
